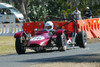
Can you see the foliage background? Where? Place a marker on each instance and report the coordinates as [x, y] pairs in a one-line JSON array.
[[41, 10]]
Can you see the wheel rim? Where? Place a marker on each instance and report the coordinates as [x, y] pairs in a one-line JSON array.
[[64, 41], [85, 39], [23, 43]]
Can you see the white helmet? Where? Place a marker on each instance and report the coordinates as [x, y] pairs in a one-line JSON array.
[[87, 8], [49, 25]]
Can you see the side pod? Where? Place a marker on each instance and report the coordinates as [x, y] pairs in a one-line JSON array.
[[59, 32], [19, 34]]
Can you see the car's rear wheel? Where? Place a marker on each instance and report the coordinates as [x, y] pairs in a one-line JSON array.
[[20, 49], [61, 42], [81, 39]]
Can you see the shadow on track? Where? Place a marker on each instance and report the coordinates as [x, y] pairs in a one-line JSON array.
[[49, 51], [75, 58]]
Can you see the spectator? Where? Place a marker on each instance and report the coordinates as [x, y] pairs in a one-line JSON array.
[[77, 14], [88, 13]]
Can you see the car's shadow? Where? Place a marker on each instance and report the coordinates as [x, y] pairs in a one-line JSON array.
[[51, 50], [47, 51]]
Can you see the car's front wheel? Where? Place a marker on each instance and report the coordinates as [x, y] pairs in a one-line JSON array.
[[61, 42], [20, 49]]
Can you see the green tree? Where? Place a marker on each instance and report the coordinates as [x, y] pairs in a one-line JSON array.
[[37, 11], [40, 10]]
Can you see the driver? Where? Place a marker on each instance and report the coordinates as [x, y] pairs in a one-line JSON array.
[[49, 26]]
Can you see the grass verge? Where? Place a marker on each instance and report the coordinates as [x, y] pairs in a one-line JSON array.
[[7, 45]]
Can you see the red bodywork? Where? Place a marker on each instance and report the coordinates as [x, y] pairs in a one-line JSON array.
[[59, 32], [44, 41]]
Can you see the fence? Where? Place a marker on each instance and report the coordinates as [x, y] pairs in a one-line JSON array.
[[90, 26], [10, 29]]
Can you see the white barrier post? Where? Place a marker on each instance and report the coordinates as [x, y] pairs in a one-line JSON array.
[[10, 29], [4, 30], [0, 29], [13, 28]]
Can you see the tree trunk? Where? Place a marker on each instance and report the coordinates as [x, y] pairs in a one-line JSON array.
[[22, 5]]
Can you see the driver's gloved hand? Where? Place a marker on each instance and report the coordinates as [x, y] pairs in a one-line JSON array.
[[50, 33], [53, 32]]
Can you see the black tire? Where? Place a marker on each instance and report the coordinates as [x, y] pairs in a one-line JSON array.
[[43, 50], [20, 49], [61, 42], [37, 50], [81, 39]]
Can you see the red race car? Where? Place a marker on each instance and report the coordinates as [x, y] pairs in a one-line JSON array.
[[43, 39]]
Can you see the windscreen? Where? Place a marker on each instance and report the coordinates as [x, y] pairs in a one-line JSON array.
[[14, 10]]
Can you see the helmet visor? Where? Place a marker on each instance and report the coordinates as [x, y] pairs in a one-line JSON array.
[[48, 27]]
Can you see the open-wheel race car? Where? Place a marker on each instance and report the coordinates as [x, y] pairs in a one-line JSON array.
[[43, 39]]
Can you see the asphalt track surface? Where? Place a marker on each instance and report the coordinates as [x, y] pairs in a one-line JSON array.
[[31, 58]]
